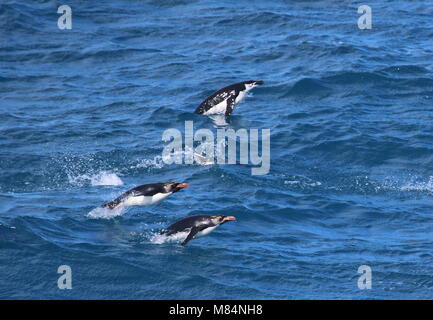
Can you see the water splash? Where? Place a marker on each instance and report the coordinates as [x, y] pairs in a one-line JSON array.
[[202, 160], [106, 213], [157, 163], [106, 179], [419, 186], [103, 178]]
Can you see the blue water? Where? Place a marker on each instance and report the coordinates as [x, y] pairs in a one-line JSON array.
[[351, 178]]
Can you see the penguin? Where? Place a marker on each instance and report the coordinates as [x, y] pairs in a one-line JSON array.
[[145, 194], [224, 100], [195, 226]]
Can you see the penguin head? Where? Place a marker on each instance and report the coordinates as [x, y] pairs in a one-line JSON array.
[[174, 186], [252, 84], [220, 219]]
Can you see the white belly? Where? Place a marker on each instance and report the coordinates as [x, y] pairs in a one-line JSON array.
[[180, 236], [145, 200], [219, 108], [241, 96], [205, 231]]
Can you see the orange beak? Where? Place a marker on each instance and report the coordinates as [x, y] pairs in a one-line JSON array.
[[182, 185], [229, 218]]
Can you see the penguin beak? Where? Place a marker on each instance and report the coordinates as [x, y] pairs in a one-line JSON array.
[[182, 185], [259, 83], [229, 218]]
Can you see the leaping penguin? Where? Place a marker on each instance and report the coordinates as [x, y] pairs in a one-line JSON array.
[[195, 226], [224, 100], [145, 194]]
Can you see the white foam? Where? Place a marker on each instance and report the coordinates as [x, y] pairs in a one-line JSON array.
[[106, 179], [219, 120], [419, 186], [103, 178], [310, 183], [106, 213], [157, 162], [202, 160]]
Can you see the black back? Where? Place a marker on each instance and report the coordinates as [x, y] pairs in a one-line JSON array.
[[230, 91], [143, 190], [187, 223]]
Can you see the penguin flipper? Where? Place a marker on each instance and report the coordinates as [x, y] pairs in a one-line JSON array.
[[192, 233], [114, 203], [230, 106]]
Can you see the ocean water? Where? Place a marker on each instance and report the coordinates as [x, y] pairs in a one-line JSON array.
[[82, 113]]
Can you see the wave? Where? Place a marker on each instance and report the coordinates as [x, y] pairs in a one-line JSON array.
[[266, 18], [307, 86]]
